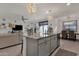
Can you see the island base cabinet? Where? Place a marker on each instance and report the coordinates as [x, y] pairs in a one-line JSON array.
[[44, 49], [53, 43], [41, 47], [32, 47]]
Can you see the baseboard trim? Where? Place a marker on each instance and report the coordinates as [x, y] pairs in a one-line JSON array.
[[53, 51], [10, 46]]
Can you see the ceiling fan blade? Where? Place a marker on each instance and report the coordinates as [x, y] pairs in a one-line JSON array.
[[24, 18]]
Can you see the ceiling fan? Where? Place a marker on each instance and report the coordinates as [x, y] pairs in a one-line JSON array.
[[23, 19]]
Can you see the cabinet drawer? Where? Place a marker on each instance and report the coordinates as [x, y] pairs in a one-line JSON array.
[[44, 49], [43, 40]]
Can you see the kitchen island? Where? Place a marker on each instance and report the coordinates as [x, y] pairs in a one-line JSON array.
[[39, 46]]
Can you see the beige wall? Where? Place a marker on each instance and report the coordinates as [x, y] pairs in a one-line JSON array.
[[59, 22], [65, 18], [10, 18]]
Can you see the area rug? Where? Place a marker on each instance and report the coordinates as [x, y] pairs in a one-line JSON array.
[[63, 52]]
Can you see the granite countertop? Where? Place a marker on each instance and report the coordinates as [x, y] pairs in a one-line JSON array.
[[31, 36], [36, 37], [7, 34]]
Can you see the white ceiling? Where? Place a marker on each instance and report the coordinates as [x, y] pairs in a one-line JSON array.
[[58, 10]]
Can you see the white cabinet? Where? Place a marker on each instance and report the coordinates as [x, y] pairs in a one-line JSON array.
[[53, 42], [44, 48], [41, 46], [32, 47]]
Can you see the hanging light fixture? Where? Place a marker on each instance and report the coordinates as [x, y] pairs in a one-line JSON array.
[[31, 8]]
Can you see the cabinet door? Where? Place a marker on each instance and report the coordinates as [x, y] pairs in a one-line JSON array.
[[44, 48], [53, 42], [32, 47]]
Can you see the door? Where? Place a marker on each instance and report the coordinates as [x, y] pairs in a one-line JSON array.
[[43, 28]]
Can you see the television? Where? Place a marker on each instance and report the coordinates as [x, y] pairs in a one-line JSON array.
[[17, 28]]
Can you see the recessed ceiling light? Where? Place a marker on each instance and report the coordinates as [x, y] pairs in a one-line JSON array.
[[49, 11], [68, 4]]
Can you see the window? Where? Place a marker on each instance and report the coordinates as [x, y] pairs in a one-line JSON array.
[[70, 25], [43, 28]]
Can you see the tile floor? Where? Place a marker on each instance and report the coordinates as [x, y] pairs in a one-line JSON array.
[[69, 45], [64, 44], [11, 51]]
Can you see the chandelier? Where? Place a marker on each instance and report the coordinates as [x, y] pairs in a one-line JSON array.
[[31, 8]]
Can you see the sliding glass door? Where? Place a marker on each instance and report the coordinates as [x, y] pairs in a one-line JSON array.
[[43, 28]]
